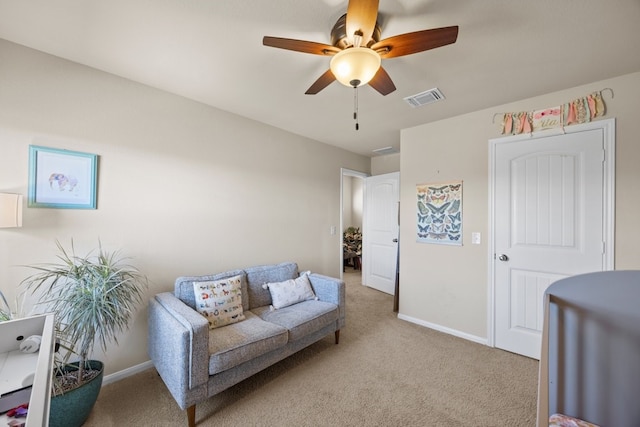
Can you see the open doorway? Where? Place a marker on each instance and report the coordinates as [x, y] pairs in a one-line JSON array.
[[351, 218]]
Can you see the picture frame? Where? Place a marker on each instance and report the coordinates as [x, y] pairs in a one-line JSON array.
[[439, 213], [62, 179]]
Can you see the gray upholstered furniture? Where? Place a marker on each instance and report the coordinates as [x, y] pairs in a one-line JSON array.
[[590, 358], [196, 362]]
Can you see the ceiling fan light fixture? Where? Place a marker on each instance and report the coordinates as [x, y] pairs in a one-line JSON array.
[[355, 66]]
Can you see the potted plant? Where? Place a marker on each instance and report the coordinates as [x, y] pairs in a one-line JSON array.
[[5, 310], [94, 298]]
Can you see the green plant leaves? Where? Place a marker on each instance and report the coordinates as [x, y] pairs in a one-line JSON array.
[[94, 296]]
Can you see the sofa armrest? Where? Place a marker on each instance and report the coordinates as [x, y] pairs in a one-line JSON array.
[[331, 290], [179, 346]]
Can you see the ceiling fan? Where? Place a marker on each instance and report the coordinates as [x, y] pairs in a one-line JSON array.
[[357, 50]]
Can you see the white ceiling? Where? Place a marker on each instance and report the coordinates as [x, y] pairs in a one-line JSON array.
[[211, 51]]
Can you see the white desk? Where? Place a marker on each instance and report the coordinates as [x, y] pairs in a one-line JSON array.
[[590, 360], [19, 370]]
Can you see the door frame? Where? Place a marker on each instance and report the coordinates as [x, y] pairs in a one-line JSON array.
[[344, 172], [608, 127]]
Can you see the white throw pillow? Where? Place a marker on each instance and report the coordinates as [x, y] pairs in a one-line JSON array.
[[220, 301], [289, 292]]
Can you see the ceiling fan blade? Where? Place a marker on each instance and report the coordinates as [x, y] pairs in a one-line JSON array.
[[382, 82], [419, 41], [325, 80], [300, 46], [361, 16]]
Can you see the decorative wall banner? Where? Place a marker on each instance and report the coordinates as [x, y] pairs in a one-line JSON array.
[[439, 213], [581, 110]]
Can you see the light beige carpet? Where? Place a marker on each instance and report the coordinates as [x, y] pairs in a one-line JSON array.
[[384, 372]]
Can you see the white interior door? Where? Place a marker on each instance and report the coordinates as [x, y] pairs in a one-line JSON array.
[[549, 223], [380, 231]]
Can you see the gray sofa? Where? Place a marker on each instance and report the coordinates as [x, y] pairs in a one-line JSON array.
[[196, 362]]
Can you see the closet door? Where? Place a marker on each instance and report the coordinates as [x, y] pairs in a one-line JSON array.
[[549, 223]]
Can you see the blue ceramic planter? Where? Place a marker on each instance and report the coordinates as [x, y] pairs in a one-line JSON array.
[[72, 408]]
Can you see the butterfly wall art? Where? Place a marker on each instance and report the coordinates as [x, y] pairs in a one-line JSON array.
[[439, 213]]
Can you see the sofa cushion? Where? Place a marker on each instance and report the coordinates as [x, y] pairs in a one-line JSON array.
[[239, 342], [184, 287], [289, 292], [300, 319], [220, 301], [258, 276]]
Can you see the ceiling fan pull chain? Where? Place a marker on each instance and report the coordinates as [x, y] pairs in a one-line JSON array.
[[355, 106]]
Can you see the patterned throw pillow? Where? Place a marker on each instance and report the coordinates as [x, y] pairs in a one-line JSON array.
[[220, 301], [289, 292]]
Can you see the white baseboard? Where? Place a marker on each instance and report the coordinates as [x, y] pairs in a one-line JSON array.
[[444, 329], [117, 376]]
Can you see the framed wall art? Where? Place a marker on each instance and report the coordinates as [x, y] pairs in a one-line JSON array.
[[62, 179], [439, 208]]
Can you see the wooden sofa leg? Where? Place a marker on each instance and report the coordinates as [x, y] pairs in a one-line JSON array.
[[191, 415], [337, 336]]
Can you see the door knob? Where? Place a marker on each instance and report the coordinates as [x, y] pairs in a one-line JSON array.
[[395, 240], [503, 257]]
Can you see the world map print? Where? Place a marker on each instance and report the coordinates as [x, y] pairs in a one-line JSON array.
[[439, 213]]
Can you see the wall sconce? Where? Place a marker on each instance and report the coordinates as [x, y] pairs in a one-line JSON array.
[[10, 210]]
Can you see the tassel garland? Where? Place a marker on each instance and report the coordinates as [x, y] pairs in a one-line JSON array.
[[581, 110]]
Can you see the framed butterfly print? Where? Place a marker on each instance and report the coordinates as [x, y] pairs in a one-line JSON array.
[[439, 209]]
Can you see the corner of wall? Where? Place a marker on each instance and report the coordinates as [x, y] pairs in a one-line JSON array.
[[385, 164]]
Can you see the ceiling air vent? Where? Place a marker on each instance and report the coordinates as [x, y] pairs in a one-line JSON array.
[[386, 150], [424, 98]]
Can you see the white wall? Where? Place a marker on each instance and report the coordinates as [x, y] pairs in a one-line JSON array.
[[352, 201], [184, 189], [357, 201], [347, 201], [446, 286], [385, 164]]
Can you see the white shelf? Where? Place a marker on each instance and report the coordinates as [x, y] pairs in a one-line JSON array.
[[19, 370]]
